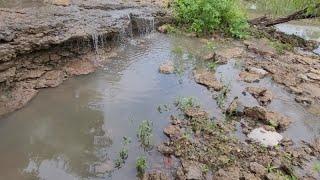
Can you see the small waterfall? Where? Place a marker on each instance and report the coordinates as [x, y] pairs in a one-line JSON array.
[[142, 25]]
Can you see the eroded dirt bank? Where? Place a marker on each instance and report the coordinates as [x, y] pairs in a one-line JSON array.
[[42, 45]]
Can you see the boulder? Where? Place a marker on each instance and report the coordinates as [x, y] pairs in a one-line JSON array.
[[249, 77]]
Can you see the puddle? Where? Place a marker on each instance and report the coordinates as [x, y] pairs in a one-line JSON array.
[[65, 131]]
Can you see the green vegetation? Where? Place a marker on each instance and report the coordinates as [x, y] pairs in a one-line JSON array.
[[316, 167], [184, 103], [281, 47], [123, 154], [206, 16], [141, 165], [145, 134], [285, 7], [212, 66], [222, 96]]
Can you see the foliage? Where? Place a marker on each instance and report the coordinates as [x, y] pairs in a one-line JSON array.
[[145, 133], [212, 66], [222, 96], [284, 7], [141, 165], [280, 47], [186, 102], [316, 167], [206, 16], [123, 154]]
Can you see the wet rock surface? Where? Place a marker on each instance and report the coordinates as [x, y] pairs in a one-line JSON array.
[[207, 79], [166, 68], [263, 95]]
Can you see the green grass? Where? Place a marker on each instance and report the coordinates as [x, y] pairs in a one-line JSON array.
[[284, 7], [184, 103]]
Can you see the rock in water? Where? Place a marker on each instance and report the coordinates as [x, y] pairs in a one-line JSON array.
[[265, 137], [207, 79], [166, 68]]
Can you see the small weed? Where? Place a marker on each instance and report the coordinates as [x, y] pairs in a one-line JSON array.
[[271, 168], [222, 96], [316, 167], [177, 50], [141, 165], [212, 66], [280, 47], [163, 108], [145, 134], [186, 102], [205, 168], [210, 45], [123, 154]]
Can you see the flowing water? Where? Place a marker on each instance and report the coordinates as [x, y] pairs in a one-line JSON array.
[[65, 132]]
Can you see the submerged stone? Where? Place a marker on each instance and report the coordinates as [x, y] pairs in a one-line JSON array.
[[166, 68], [263, 95], [265, 137]]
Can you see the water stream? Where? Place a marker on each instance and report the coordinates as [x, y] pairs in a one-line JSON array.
[[66, 131]]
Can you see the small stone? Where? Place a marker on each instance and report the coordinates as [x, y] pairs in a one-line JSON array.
[[304, 100], [196, 113], [166, 68], [207, 79], [265, 137], [258, 71], [313, 76], [263, 95], [209, 56], [172, 131], [231, 173], [249, 77], [257, 168], [192, 169], [166, 150], [155, 175]]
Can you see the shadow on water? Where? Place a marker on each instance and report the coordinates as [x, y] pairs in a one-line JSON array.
[[64, 132]]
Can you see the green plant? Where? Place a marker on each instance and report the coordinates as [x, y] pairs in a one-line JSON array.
[[271, 168], [222, 96], [124, 153], [141, 165], [316, 167], [184, 103], [206, 16], [280, 47], [145, 133], [212, 66]]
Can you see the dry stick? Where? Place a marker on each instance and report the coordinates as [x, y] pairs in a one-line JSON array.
[[302, 14]]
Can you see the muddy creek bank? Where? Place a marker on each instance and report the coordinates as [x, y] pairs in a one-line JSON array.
[[81, 134]]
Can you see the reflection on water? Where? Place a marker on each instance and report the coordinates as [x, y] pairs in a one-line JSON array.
[[66, 131]]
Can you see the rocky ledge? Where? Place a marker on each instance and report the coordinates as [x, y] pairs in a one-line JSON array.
[[40, 46]]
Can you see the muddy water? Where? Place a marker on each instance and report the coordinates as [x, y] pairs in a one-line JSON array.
[[64, 132]]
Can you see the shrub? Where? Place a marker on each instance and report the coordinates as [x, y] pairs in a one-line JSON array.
[[206, 16]]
